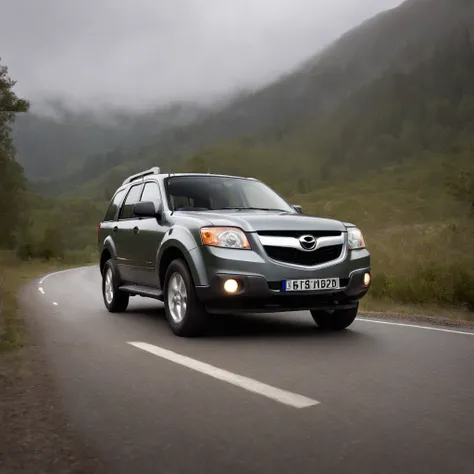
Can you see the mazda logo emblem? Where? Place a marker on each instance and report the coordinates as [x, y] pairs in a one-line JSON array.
[[307, 242]]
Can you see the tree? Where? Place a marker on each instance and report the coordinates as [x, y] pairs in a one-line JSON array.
[[12, 180]]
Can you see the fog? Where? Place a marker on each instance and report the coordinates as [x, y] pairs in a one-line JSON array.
[[142, 53]]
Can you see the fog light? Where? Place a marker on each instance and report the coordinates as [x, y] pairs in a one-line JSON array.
[[231, 286], [367, 279]]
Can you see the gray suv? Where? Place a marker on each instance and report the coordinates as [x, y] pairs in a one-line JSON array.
[[206, 243]]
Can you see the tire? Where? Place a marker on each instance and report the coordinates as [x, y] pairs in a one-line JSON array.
[[336, 320], [115, 301], [186, 320]]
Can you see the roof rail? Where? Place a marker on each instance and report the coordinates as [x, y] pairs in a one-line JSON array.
[[154, 170]]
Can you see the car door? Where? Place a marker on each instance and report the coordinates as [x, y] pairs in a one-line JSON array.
[[151, 231], [125, 237]]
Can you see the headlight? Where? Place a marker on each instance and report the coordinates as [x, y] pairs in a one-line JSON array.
[[227, 237], [356, 239]]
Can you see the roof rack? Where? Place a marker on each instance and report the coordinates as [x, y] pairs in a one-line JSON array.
[[154, 170]]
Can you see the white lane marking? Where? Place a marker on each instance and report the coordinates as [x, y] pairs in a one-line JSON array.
[[41, 290], [63, 271], [452, 331], [287, 398]]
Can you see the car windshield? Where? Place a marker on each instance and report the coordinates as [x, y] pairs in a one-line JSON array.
[[203, 193]]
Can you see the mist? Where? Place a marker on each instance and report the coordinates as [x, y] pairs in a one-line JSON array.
[[147, 53]]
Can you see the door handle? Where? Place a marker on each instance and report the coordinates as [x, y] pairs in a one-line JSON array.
[[115, 229], [136, 230]]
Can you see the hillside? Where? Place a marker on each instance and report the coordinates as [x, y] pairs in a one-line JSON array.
[[58, 141], [397, 41], [401, 117]]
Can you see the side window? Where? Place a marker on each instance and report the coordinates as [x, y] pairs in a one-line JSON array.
[[152, 193], [132, 198], [114, 206]]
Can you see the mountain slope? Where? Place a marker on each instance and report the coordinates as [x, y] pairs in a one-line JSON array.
[[401, 117], [397, 40], [61, 142]]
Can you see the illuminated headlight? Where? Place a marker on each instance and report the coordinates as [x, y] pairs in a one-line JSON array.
[[227, 237], [356, 239]]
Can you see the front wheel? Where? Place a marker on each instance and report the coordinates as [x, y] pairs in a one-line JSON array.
[[186, 315], [336, 320]]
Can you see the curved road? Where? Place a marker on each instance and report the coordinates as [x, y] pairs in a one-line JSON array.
[[259, 394]]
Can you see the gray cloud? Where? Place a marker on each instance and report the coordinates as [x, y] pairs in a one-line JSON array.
[[143, 52]]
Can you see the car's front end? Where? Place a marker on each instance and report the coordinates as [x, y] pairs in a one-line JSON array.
[[319, 267]]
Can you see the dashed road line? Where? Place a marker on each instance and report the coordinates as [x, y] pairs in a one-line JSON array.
[[282, 396]]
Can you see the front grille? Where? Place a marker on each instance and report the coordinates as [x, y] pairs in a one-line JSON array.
[[298, 233], [298, 257]]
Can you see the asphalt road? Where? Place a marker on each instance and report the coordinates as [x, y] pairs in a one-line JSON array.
[[288, 398]]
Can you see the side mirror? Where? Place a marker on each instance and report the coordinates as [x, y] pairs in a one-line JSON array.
[[298, 209], [145, 209]]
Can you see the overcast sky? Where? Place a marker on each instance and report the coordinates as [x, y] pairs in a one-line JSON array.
[[142, 52]]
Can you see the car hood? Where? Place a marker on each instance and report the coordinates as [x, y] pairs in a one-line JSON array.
[[255, 221]]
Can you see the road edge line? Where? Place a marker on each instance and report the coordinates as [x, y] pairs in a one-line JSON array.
[[45, 277], [415, 326]]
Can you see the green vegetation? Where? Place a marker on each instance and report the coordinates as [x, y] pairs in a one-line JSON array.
[[38, 227], [13, 275], [64, 228], [34, 229], [420, 238], [12, 181]]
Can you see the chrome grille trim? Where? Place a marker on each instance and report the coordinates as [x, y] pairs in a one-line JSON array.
[[292, 242]]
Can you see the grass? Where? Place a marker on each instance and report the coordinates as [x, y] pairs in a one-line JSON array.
[[420, 238], [423, 269], [381, 308]]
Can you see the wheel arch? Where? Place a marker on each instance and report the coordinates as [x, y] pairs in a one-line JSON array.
[[172, 251], [108, 252]]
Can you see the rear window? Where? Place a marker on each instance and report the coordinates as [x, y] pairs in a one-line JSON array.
[[114, 206]]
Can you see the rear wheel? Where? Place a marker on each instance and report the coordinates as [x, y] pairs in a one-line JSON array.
[[115, 301], [336, 320], [186, 315]]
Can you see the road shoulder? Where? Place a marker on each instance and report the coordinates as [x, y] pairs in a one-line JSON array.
[[35, 433], [419, 318]]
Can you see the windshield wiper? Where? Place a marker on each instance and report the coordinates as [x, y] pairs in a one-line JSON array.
[[251, 209]]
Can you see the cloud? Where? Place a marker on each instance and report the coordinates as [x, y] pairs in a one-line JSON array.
[[139, 52]]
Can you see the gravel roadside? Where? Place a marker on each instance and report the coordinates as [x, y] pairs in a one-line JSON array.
[[35, 434]]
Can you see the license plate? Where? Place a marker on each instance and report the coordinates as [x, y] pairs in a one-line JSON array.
[[311, 284]]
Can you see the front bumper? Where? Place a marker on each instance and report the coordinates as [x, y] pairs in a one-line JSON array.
[[257, 294]]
